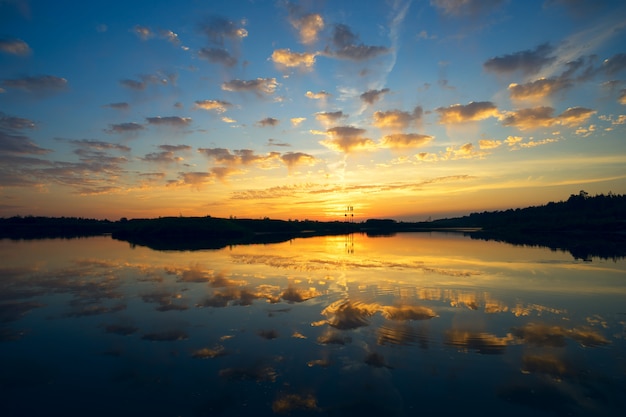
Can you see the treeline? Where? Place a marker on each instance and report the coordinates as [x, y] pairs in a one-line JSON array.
[[579, 213]]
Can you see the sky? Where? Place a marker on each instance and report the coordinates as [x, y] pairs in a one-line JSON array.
[[302, 109]]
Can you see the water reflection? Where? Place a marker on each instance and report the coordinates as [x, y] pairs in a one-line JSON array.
[[327, 325]]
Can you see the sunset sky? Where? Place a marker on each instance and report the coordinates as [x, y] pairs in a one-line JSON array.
[[296, 110]]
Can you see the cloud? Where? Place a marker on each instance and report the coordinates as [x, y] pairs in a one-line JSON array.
[[149, 79], [528, 62], [489, 143], [615, 64], [321, 95], [329, 117], [14, 47], [237, 157], [347, 139], [538, 89], [258, 85], [404, 140], [38, 84], [291, 159], [372, 96], [216, 105], [218, 56], [474, 111], [272, 142], [118, 106], [145, 33], [11, 141], [308, 27], [18, 144], [121, 128], [174, 121], [530, 118], [193, 179], [622, 97], [167, 154], [219, 29], [397, 119], [346, 46], [11, 123], [543, 116], [451, 153], [575, 115], [459, 8], [268, 121], [98, 145], [295, 121], [287, 59]]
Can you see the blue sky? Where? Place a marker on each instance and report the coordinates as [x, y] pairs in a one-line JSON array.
[[402, 109]]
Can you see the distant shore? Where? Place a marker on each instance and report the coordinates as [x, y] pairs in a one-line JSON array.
[[598, 222]]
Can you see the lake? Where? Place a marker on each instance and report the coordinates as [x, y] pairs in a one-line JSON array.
[[411, 324]]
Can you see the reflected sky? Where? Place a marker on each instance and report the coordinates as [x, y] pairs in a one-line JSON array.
[[336, 325]]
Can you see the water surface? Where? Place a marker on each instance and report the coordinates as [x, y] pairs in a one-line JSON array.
[[414, 324]]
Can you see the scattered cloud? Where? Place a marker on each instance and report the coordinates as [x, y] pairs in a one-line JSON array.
[[321, 95], [149, 79], [98, 145], [18, 144], [543, 116], [308, 26], [174, 121], [11, 123], [372, 96], [530, 118], [284, 58], [219, 29], [37, 84], [118, 106], [237, 157], [538, 89], [459, 8], [528, 62], [123, 128], [193, 179], [295, 121], [347, 46], [489, 143], [258, 85], [291, 159], [622, 97], [328, 118], [14, 47], [347, 139], [405, 140], [397, 119], [218, 56], [268, 121], [145, 33], [615, 64], [167, 155], [216, 105], [474, 111], [272, 142], [574, 116]]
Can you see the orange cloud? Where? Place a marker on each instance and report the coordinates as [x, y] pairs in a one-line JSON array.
[[489, 144], [537, 89], [308, 27], [347, 139], [474, 111], [287, 59], [396, 119], [405, 140]]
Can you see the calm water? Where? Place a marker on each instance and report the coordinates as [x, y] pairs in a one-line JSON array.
[[414, 324]]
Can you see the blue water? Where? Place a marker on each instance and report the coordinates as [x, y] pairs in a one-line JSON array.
[[415, 324]]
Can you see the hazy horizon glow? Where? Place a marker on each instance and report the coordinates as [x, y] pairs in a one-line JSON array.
[[294, 110]]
